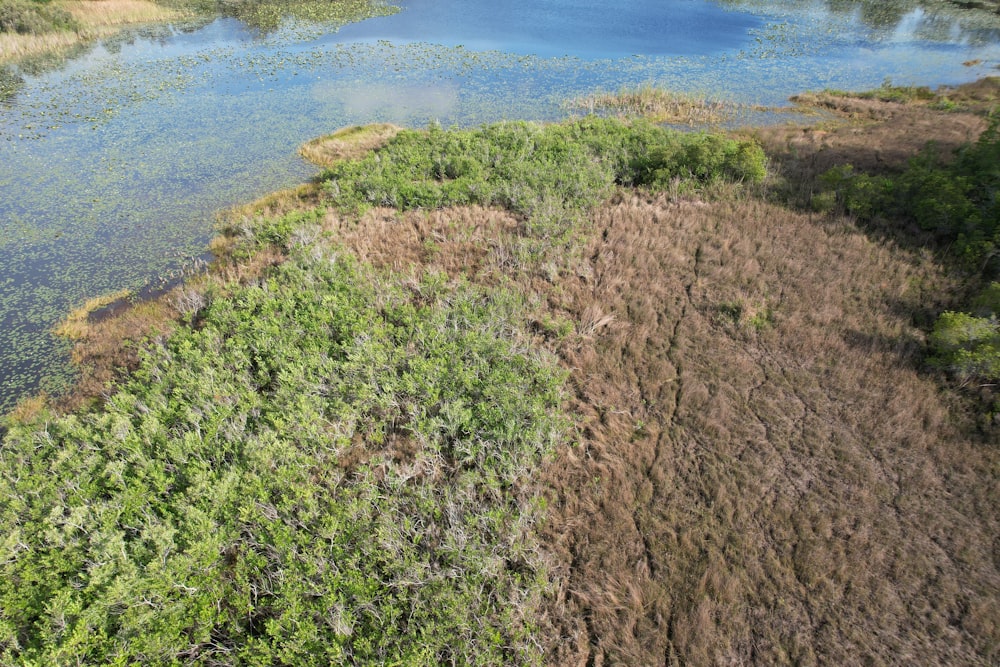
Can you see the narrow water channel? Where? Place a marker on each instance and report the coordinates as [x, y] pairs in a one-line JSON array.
[[112, 165]]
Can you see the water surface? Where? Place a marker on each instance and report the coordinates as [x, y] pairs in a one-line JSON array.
[[113, 165]]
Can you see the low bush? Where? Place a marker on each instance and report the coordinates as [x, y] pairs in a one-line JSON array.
[[550, 174], [967, 346], [957, 201], [327, 469], [33, 17]]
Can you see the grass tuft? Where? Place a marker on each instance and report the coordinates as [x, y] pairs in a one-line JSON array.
[[659, 106], [75, 326], [349, 143]]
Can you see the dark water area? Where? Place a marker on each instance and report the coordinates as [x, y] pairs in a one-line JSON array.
[[586, 29], [113, 164]]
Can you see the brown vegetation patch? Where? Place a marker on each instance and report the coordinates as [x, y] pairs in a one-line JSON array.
[[890, 134], [94, 19], [765, 490], [763, 474], [347, 143], [74, 326], [98, 14], [470, 241]]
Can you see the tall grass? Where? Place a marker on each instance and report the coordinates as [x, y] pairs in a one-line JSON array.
[[659, 105]]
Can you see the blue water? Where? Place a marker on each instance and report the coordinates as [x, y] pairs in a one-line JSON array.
[[586, 29], [112, 166]]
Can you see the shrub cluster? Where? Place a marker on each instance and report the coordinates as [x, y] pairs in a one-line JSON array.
[[959, 203], [33, 17], [967, 344], [325, 470], [551, 174]]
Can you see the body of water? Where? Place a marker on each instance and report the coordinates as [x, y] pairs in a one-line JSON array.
[[112, 165]]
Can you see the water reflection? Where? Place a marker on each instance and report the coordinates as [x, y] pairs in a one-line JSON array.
[[897, 20]]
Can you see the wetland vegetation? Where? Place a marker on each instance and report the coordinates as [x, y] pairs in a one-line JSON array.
[[594, 391], [530, 394], [116, 158]]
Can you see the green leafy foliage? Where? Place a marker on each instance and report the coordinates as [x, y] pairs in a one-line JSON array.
[[957, 201], [858, 193], [967, 346], [33, 17], [705, 157], [550, 174], [327, 469]]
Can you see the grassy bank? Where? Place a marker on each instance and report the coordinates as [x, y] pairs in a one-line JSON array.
[[584, 393], [33, 28]]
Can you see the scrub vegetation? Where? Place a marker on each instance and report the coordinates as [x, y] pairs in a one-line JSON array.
[[587, 393]]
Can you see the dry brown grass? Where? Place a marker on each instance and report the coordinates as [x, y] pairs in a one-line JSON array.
[[14, 46], [793, 492], [96, 15], [347, 143], [74, 326], [660, 106]]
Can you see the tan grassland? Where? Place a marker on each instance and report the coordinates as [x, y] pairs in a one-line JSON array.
[[96, 18], [659, 105], [347, 143], [764, 472]]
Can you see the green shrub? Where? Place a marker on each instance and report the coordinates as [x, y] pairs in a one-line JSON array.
[[704, 157], [29, 17], [958, 201], [329, 469], [555, 172], [967, 346], [858, 193]]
